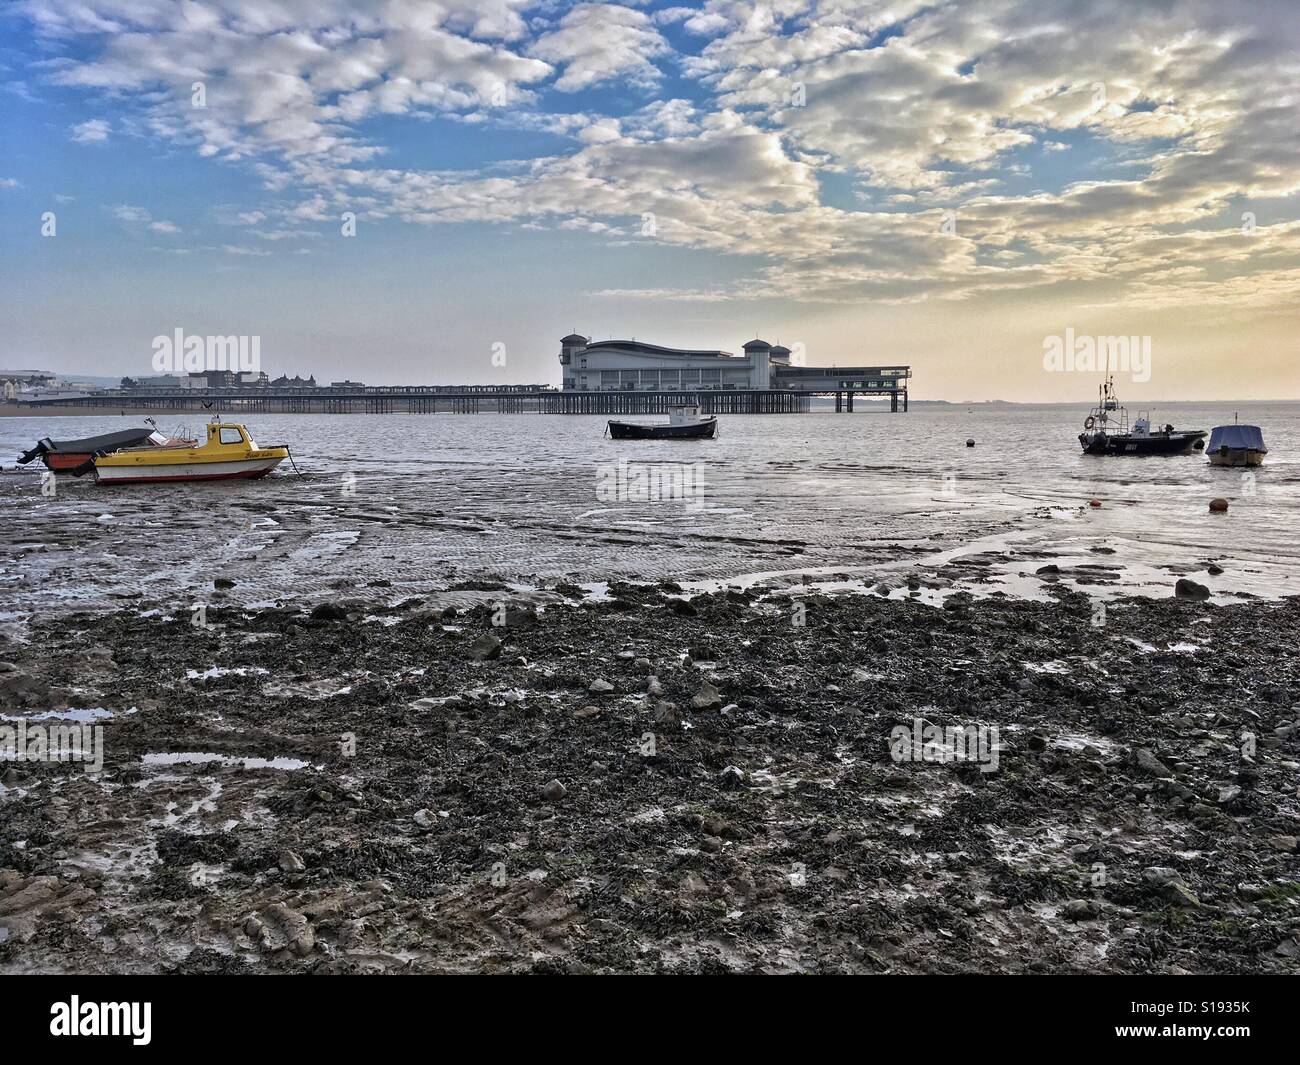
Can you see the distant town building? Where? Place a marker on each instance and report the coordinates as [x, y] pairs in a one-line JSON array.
[[294, 382], [346, 384], [20, 379], [632, 365]]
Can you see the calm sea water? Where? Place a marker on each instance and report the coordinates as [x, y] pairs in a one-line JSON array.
[[841, 501]]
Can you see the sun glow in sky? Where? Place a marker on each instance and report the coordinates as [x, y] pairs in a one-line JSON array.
[[944, 184]]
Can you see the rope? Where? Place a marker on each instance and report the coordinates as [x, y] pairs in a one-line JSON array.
[[292, 463]]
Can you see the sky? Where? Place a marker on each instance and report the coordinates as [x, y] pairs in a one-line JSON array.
[[436, 192]]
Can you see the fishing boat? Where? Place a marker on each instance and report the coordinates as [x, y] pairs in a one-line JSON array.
[[78, 456], [229, 453], [1236, 445], [684, 423], [1106, 431]]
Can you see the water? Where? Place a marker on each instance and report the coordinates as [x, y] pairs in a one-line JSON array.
[[426, 502]]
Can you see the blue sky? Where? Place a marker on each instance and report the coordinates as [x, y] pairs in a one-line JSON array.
[[689, 174]]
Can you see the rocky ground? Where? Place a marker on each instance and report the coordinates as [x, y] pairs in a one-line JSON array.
[[648, 784]]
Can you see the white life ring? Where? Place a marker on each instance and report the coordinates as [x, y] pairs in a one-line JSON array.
[[1089, 422]]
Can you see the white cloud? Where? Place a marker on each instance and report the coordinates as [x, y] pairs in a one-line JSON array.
[[91, 132], [599, 42]]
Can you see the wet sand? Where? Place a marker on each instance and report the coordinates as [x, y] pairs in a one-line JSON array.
[[647, 784]]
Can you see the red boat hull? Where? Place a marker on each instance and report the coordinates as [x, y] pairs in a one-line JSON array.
[[67, 462]]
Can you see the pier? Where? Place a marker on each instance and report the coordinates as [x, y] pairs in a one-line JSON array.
[[466, 399]]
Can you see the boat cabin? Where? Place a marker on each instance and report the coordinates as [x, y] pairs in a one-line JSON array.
[[228, 434], [684, 414]]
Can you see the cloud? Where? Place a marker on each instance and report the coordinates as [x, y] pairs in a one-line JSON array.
[[819, 144], [595, 43], [92, 132]]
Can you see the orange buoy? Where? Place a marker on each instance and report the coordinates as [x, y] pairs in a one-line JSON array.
[[1218, 506], [1094, 502]]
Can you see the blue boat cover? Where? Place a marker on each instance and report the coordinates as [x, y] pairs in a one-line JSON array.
[[1236, 436]]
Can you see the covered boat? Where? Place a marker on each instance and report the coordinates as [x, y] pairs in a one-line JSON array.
[[684, 423], [229, 453], [1236, 445], [77, 456], [1106, 431]]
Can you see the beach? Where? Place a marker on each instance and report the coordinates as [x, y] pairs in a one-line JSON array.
[[861, 700], [650, 784]]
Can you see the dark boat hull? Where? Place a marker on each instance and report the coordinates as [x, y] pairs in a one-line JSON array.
[[630, 431], [1128, 444], [77, 456]]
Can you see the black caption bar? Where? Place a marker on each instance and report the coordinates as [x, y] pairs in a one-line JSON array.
[[142, 1014]]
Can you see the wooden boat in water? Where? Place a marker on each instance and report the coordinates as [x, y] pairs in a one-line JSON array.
[[1106, 431], [684, 423], [1236, 445], [229, 453], [78, 456]]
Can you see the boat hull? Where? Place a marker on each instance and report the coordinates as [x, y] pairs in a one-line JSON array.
[[1128, 444], [75, 456], [1236, 457], [631, 431], [234, 469], [69, 462]]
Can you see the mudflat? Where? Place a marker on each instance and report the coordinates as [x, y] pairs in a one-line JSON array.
[[649, 784]]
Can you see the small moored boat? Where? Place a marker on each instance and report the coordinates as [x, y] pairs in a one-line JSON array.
[[684, 423], [1236, 445], [1106, 431], [78, 456], [229, 453]]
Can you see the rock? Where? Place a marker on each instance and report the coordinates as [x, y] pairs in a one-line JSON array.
[[682, 608], [667, 714], [1149, 763], [554, 791], [424, 818], [1179, 894], [913, 584], [1286, 844], [707, 698], [1159, 874], [1214, 570], [600, 686], [291, 863], [10, 778], [1080, 910], [1050, 570], [653, 687], [1218, 506], [1229, 794], [485, 647], [1189, 589], [222, 583], [731, 778], [328, 612]]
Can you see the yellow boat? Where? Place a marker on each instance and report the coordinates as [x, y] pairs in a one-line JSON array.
[[230, 452]]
